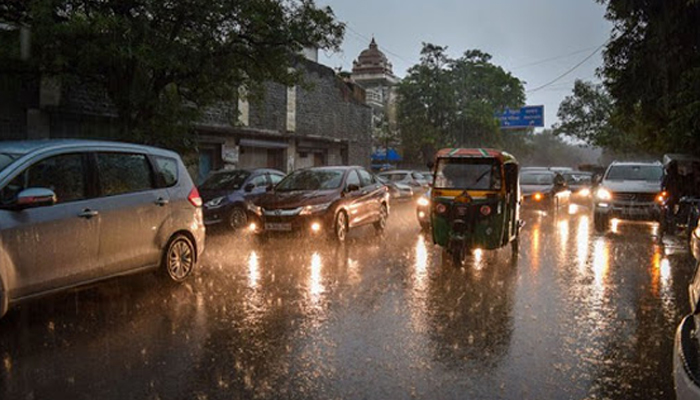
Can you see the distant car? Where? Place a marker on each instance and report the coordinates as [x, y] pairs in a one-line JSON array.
[[228, 196], [325, 201], [561, 170], [75, 212], [628, 190], [581, 185], [400, 192], [423, 210], [414, 179], [543, 190]]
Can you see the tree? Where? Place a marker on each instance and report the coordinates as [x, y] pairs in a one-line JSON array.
[[652, 71], [452, 102], [162, 63], [588, 115]]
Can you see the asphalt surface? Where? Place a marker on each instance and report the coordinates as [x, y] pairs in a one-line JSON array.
[[576, 315]]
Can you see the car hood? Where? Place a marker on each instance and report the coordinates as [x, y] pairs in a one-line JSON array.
[[296, 198], [529, 189], [632, 186]]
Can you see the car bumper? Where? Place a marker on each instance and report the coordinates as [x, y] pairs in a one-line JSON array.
[[634, 211], [297, 225], [685, 360]]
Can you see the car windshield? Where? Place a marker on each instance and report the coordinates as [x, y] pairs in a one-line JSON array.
[[464, 173], [7, 159], [311, 179], [537, 179], [651, 173], [578, 179], [226, 180], [395, 177]]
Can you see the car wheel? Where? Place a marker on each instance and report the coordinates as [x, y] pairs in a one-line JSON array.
[[180, 258], [600, 222], [237, 219], [380, 225], [340, 231]]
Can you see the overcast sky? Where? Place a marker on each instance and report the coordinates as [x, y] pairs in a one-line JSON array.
[[536, 40]]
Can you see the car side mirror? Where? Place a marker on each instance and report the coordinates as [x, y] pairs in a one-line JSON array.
[[249, 187], [35, 197], [352, 188]]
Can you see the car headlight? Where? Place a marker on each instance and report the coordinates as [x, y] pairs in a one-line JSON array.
[[216, 202], [603, 194], [585, 192], [538, 196], [254, 209], [423, 202], [314, 209]]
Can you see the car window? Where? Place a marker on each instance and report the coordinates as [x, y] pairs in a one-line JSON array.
[[275, 178], [353, 179], [365, 178], [228, 180], [649, 173], [395, 177], [121, 173], [259, 180], [536, 179], [166, 168], [64, 174], [416, 175]]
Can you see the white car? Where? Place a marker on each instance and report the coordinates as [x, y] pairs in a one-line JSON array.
[[629, 190]]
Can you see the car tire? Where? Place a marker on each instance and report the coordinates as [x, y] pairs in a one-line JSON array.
[[4, 301], [340, 227], [179, 258], [237, 219], [601, 222], [380, 225]]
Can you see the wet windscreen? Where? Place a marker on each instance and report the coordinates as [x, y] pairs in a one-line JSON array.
[[650, 173], [468, 174], [537, 179], [6, 159], [226, 181], [578, 179], [318, 179]]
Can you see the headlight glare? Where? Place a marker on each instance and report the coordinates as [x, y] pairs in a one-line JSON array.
[[314, 209], [603, 194], [423, 202]]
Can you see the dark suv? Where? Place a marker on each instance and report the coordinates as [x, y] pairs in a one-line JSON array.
[[74, 212]]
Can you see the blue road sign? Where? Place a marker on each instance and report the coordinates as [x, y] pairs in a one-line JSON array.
[[524, 117]]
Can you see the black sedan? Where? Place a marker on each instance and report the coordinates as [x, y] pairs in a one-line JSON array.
[[228, 196]]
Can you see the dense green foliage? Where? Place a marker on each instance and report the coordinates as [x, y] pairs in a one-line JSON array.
[[162, 63], [451, 102], [652, 71]]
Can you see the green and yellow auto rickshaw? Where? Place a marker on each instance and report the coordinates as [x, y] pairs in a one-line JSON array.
[[475, 201]]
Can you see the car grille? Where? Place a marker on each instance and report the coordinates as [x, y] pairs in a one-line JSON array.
[[284, 212], [634, 197]]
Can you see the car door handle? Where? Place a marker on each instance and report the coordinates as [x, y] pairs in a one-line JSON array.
[[88, 213], [161, 201]]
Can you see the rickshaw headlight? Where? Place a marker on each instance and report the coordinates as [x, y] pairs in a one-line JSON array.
[[440, 208], [423, 202], [485, 210]]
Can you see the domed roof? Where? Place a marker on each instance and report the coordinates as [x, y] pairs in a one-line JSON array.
[[372, 60]]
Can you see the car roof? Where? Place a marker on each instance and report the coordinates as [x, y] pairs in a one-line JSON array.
[[396, 171], [538, 172], [249, 170], [633, 163], [31, 146]]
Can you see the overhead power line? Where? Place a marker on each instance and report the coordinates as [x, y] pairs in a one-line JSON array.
[[570, 70], [546, 60]]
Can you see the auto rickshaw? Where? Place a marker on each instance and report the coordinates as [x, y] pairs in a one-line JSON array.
[[475, 201]]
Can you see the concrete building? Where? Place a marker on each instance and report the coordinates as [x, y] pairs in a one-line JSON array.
[[324, 122]]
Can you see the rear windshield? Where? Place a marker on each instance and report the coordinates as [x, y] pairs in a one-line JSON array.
[[316, 179], [652, 173], [395, 177], [226, 181], [537, 179], [465, 173]]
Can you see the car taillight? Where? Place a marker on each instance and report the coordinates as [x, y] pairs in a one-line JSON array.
[[485, 210], [194, 197]]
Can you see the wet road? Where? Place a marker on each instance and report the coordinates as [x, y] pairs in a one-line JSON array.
[[576, 316]]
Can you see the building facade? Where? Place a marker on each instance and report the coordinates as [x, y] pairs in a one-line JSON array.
[[325, 121]]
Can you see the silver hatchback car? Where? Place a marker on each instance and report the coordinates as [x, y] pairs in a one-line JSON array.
[[73, 212]]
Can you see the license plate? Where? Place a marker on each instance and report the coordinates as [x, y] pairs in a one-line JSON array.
[[280, 226]]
